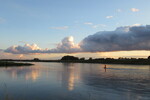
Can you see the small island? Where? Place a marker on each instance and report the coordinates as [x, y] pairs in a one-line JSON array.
[[6, 64]]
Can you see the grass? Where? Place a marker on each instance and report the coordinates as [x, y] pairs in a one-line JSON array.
[[6, 63]]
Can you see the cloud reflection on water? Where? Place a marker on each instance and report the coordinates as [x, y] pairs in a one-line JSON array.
[[23, 72], [75, 81]]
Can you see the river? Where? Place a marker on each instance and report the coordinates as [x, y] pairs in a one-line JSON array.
[[75, 81]]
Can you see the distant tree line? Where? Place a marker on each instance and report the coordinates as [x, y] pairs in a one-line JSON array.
[[120, 60], [76, 58], [72, 59]]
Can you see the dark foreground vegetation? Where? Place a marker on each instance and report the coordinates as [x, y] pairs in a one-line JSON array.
[[6, 63], [72, 59]]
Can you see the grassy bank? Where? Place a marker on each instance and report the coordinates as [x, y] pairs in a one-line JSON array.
[[6, 63], [101, 61]]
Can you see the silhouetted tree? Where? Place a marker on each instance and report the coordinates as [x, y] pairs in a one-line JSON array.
[[148, 57], [133, 58], [36, 59], [69, 58], [109, 58], [120, 58], [99, 59], [82, 58], [90, 58]]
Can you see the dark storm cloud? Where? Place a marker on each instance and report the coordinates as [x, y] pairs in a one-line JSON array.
[[123, 38]]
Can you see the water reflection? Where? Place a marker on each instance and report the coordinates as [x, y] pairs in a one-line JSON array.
[[73, 81], [69, 76], [23, 72], [33, 75]]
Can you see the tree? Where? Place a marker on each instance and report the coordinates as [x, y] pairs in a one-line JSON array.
[[82, 58], [36, 59], [90, 58], [69, 58], [148, 57]]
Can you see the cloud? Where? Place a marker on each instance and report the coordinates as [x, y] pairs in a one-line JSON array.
[[60, 28], [137, 24], [127, 38], [67, 45], [27, 48], [134, 9], [94, 25], [4, 55], [88, 23], [108, 17], [98, 25], [122, 39]]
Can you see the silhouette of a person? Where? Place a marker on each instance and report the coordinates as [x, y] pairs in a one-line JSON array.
[[105, 68]]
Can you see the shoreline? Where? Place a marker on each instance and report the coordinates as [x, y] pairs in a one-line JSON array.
[[103, 61], [13, 64]]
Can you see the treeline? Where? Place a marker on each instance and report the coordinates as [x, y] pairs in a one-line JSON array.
[[77, 58], [120, 60], [72, 59]]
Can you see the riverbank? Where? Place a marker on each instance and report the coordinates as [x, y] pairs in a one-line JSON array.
[[6, 63], [100, 61]]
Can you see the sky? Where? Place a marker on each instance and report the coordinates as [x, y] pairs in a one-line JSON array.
[[50, 29]]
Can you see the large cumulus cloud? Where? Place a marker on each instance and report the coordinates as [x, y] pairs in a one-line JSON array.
[[27, 48], [122, 39], [67, 45]]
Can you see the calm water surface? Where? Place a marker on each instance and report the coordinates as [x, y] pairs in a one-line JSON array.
[[74, 81]]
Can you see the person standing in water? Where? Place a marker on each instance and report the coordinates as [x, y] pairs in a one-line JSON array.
[[105, 68]]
